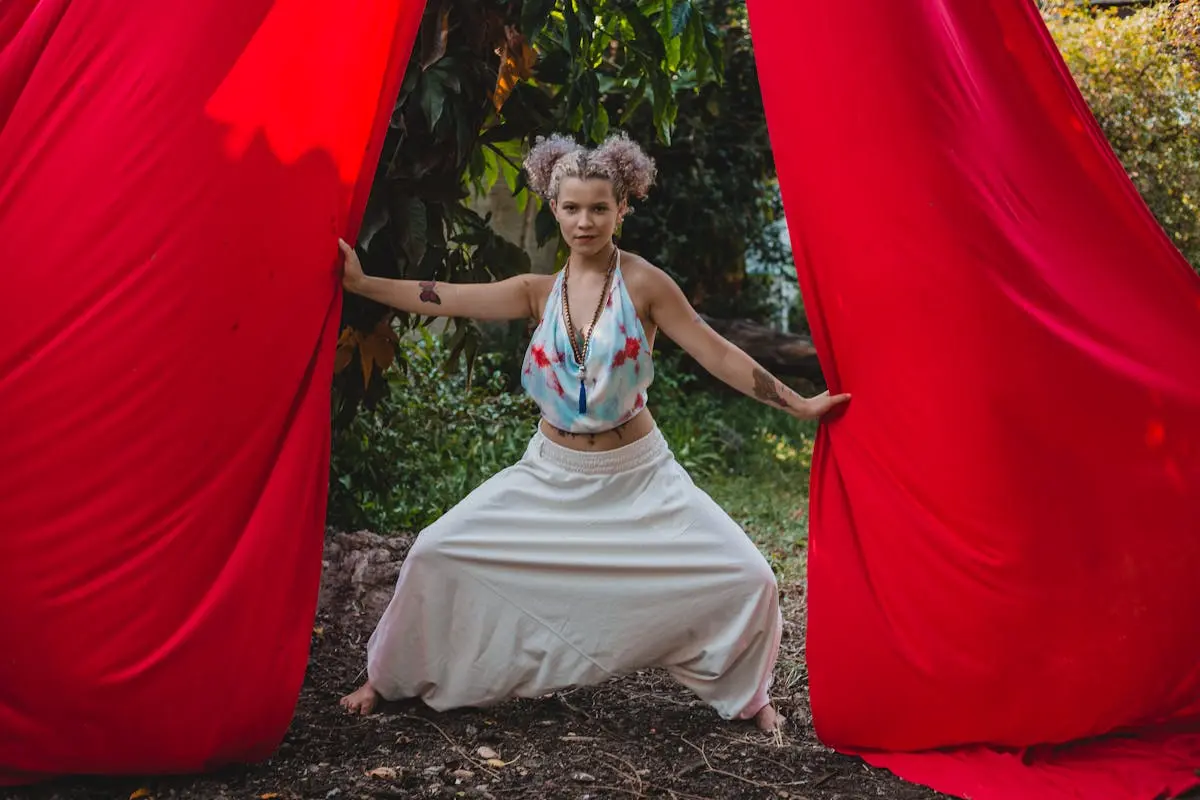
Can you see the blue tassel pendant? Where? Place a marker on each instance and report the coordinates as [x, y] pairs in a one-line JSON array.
[[582, 397]]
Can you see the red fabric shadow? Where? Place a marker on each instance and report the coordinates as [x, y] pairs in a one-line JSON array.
[[1005, 520], [173, 178]]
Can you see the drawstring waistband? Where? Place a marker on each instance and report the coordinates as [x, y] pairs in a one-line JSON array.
[[603, 462]]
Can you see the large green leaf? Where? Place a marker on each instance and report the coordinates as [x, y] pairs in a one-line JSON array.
[[433, 98], [646, 37], [680, 14]]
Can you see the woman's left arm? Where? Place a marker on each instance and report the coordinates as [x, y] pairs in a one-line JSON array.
[[675, 317]]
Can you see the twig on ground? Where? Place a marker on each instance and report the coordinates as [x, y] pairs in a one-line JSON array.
[[589, 718], [633, 773], [455, 746], [824, 779], [624, 789], [661, 697], [675, 793], [735, 776], [578, 711]]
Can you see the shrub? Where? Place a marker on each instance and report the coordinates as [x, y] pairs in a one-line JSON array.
[[429, 442], [1140, 73]]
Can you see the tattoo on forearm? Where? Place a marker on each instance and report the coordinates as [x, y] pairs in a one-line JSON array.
[[766, 388], [429, 292]]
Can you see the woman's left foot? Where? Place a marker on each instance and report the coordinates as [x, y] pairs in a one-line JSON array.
[[768, 720]]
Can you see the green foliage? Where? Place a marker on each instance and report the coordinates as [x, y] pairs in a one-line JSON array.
[[1140, 73], [716, 189], [430, 442]]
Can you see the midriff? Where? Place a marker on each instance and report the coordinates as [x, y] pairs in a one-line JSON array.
[[630, 432]]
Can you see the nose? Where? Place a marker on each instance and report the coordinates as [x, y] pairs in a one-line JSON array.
[[585, 220]]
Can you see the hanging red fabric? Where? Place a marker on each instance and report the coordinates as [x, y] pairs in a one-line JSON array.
[[1005, 520], [173, 180]]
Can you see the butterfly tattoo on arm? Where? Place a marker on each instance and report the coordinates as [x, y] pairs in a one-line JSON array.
[[429, 292]]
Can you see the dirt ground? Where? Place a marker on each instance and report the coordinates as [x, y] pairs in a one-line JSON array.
[[639, 737]]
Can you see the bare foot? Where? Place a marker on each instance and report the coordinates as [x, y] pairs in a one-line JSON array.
[[363, 700], [767, 720]]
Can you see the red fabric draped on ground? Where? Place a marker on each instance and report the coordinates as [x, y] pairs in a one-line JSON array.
[[173, 178], [1005, 522]]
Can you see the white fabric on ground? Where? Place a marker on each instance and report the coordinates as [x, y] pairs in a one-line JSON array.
[[569, 568]]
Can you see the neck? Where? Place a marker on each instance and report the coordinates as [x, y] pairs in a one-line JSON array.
[[597, 262]]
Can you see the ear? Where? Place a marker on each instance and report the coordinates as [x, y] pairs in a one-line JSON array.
[[554, 206]]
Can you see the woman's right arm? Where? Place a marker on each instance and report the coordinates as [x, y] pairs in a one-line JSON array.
[[512, 298]]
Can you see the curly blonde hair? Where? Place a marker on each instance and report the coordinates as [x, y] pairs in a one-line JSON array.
[[618, 159]]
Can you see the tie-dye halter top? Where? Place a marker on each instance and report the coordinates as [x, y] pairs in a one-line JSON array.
[[619, 368]]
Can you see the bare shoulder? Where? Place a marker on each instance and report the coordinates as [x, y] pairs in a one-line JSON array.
[[645, 281]]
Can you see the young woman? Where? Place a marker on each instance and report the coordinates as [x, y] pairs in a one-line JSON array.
[[595, 555]]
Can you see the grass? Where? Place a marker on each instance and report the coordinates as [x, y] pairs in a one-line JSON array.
[[772, 509]]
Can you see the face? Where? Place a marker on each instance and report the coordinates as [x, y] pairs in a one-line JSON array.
[[588, 213]]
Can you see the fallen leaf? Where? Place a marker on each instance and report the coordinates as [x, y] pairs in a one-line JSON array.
[[495, 762], [463, 774], [269, 796], [141, 793], [386, 773], [487, 752], [318, 630], [583, 777]]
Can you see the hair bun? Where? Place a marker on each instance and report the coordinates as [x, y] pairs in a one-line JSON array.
[[632, 170], [544, 157]]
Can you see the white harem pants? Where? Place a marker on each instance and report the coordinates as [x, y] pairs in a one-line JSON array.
[[570, 568]]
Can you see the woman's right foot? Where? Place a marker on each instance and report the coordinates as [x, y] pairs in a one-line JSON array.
[[362, 700]]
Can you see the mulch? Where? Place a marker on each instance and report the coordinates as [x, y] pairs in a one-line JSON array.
[[638, 737]]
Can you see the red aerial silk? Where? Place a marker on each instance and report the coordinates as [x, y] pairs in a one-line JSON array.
[[173, 179], [1006, 518]]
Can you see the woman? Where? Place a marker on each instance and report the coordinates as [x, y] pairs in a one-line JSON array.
[[595, 555]]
